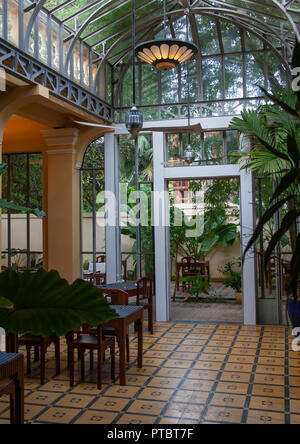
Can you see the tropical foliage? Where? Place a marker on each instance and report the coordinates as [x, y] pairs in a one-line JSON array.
[[232, 271], [12, 205], [275, 130], [43, 303]]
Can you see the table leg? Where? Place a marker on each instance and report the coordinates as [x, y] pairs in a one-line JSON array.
[[19, 384], [122, 344], [140, 341]]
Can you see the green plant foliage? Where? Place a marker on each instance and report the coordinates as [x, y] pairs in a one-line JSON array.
[[10, 205], [275, 130], [44, 304], [232, 270], [199, 285]]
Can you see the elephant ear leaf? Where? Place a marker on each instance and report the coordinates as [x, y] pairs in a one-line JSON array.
[[43, 303]]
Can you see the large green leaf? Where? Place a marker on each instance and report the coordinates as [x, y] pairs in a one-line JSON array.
[[43, 303], [265, 218], [3, 168], [10, 205], [279, 102], [289, 219], [292, 177], [293, 147]]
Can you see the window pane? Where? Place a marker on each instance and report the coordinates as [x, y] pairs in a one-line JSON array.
[[212, 78], [254, 74], [208, 34], [169, 86], [231, 37], [233, 77], [213, 146]]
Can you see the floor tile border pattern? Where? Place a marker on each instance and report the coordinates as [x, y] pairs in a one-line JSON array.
[[214, 330]]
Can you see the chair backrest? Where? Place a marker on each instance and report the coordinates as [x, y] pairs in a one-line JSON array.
[[87, 329], [117, 297], [97, 279], [101, 259], [145, 290]]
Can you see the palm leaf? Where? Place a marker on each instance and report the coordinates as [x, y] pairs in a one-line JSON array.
[[287, 180], [293, 148], [289, 219], [45, 304], [279, 102], [265, 218], [295, 269], [252, 123]]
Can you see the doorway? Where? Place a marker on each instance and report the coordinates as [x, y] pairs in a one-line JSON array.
[[205, 250]]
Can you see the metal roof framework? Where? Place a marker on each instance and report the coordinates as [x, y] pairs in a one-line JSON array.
[[106, 24]]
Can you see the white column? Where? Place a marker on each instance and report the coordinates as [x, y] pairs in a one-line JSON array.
[[161, 231], [112, 230], [247, 229]]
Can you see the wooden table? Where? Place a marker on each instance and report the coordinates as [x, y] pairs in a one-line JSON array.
[[201, 265], [127, 315], [129, 287], [12, 366]]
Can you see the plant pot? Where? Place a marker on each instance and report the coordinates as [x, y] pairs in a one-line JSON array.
[[239, 298], [294, 312]]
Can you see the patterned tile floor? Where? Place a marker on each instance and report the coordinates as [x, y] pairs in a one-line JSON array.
[[193, 373]]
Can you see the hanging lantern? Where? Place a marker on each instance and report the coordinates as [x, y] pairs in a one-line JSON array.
[[189, 155], [134, 121], [166, 54]]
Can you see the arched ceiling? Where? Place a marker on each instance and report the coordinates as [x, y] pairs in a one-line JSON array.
[[105, 25]]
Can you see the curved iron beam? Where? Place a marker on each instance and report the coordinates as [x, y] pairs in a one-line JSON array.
[[289, 18], [32, 19], [82, 28], [208, 12]]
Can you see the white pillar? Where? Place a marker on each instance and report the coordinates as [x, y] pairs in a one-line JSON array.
[[161, 231], [112, 230], [247, 228]]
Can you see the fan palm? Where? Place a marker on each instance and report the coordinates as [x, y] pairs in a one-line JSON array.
[[275, 132]]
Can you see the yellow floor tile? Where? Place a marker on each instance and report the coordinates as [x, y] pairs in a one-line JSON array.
[[268, 390], [229, 387], [194, 397], [223, 414], [164, 382], [91, 417], [153, 408], [181, 410], [228, 400], [264, 403], [156, 394], [58, 415], [136, 419], [259, 417]]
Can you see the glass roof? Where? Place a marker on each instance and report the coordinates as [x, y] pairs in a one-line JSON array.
[[105, 25]]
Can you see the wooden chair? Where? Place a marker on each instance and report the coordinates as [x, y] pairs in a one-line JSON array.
[[145, 298], [88, 339], [117, 297], [40, 345], [7, 387], [98, 279], [102, 260]]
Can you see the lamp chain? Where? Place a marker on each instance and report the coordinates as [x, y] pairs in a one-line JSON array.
[[133, 53]]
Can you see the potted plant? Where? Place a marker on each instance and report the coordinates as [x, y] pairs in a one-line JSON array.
[[199, 285], [233, 280], [44, 304]]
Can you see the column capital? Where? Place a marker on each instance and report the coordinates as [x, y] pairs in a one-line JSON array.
[[66, 137]]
